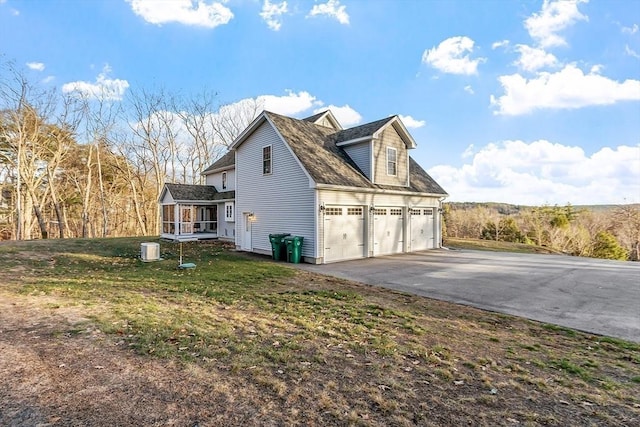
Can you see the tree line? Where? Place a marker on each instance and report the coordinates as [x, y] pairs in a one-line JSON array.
[[91, 166], [86, 165], [611, 232]]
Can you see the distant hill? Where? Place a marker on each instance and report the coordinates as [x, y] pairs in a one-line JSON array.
[[510, 209]]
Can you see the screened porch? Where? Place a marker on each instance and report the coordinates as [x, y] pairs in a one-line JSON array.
[[189, 221]]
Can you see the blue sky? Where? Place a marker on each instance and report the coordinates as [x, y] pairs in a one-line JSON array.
[[525, 102]]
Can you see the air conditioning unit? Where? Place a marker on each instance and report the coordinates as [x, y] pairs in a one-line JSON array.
[[149, 252]]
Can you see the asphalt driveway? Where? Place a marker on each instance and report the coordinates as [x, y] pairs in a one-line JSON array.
[[598, 296]]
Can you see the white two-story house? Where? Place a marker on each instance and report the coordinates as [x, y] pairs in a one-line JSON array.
[[351, 193]]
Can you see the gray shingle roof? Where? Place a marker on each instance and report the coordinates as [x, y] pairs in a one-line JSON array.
[[368, 129], [315, 117], [315, 147], [228, 160], [188, 192]]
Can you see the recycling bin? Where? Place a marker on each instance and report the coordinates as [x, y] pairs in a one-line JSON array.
[[278, 246], [294, 248]]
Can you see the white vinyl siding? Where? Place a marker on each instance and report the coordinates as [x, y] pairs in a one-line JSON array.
[[215, 179], [281, 202], [226, 230], [361, 156]]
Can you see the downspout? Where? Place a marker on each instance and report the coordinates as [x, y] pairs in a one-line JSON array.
[[440, 220]]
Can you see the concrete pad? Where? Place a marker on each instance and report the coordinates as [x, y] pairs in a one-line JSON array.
[[592, 295]]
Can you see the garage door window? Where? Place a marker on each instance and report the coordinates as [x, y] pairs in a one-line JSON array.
[[378, 211], [354, 211], [428, 211], [396, 212], [416, 212], [333, 211]]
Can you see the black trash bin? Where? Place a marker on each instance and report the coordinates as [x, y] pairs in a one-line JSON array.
[[294, 248], [278, 246]]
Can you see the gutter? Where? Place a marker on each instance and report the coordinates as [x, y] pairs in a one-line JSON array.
[[222, 169], [377, 190], [355, 141]]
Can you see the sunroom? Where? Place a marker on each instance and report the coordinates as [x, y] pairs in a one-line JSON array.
[[196, 212]]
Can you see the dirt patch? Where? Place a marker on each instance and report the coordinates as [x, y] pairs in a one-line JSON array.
[[94, 344], [57, 368]]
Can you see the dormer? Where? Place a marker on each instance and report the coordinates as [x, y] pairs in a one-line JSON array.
[[380, 149], [325, 119]]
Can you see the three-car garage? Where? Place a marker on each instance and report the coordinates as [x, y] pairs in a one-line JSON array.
[[360, 231]]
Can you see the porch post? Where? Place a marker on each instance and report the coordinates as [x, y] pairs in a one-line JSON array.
[[176, 219]]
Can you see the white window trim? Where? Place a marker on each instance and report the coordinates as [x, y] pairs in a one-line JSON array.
[[395, 150], [229, 212], [224, 180], [270, 160]]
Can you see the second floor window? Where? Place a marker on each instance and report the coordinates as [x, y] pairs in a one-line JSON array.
[[392, 161], [224, 180], [266, 160]]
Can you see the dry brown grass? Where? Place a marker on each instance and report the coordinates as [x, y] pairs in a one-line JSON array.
[[106, 340]]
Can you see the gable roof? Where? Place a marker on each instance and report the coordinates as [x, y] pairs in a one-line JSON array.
[[362, 131], [228, 161], [316, 149], [372, 130], [188, 192], [327, 163], [314, 146], [322, 116]]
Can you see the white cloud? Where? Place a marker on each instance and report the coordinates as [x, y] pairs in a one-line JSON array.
[[451, 56], [48, 79], [543, 172], [566, 89], [36, 66], [501, 43], [532, 59], [293, 104], [630, 30], [631, 52], [469, 89], [345, 115], [554, 17], [333, 9], [188, 12], [104, 88], [412, 123], [271, 13], [288, 105]]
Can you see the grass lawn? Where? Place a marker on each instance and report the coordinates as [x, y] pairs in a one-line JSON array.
[[90, 335], [497, 246]]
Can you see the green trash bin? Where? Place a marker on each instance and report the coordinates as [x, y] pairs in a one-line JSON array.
[[278, 247], [294, 248]]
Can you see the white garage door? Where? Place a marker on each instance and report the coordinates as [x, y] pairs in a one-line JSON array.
[[421, 229], [388, 226], [343, 233]]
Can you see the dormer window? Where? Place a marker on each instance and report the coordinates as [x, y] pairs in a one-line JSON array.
[[224, 180], [392, 161], [266, 160]]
